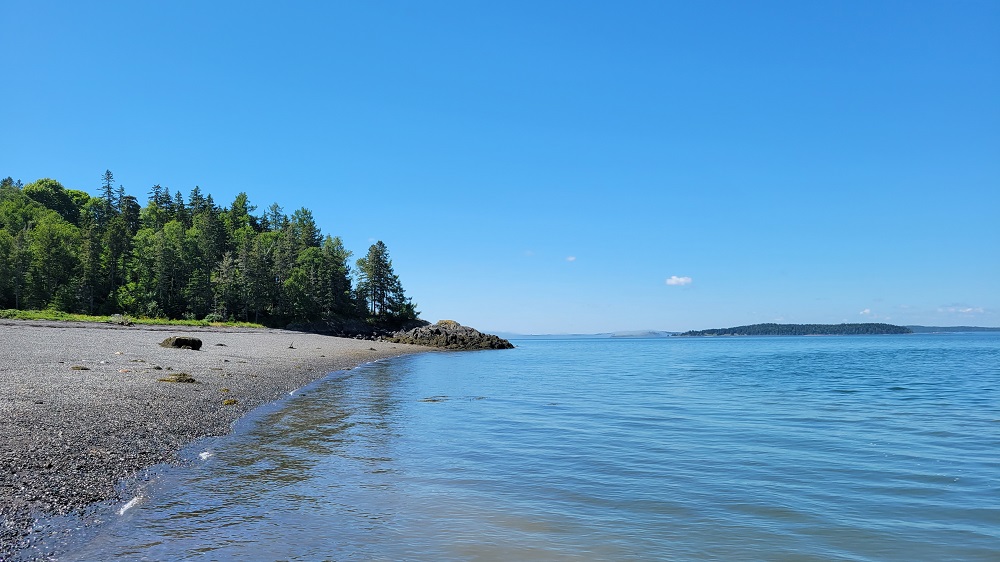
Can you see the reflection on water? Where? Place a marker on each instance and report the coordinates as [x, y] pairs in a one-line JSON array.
[[878, 448], [298, 480]]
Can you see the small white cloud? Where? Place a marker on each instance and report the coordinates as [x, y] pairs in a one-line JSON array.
[[677, 281], [962, 309], [866, 312], [571, 258]]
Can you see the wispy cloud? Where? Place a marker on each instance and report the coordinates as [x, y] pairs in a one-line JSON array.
[[874, 315], [570, 258], [961, 309], [678, 281]]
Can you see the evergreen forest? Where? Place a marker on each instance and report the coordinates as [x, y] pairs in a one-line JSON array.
[[185, 258]]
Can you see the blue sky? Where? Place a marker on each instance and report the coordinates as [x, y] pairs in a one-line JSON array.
[[548, 167]]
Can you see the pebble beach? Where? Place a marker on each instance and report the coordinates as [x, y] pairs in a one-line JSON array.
[[84, 406]]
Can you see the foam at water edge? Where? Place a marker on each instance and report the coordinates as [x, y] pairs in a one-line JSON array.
[[205, 455], [129, 505]]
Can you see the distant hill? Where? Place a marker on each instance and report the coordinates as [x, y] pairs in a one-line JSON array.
[[949, 329], [803, 330]]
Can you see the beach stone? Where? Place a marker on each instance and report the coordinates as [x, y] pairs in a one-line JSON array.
[[178, 377], [449, 334], [182, 342]]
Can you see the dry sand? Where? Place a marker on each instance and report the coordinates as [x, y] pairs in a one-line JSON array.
[[82, 406]]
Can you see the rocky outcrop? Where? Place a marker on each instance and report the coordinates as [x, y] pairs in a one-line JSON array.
[[449, 334]]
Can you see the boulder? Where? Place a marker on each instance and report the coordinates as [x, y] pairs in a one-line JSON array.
[[449, 334], [182, 342]]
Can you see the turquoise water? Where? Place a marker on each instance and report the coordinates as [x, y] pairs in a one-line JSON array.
[[792, 448]]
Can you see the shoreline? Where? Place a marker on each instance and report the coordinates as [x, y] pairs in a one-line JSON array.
[[82, 406]]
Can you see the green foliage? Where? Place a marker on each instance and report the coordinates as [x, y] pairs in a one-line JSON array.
[[17, 210], [67, 252], [52, 195], [52, 245], [9, 183], [6, 267]]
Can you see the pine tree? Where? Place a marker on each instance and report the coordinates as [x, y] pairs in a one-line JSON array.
[[108, 188], [379, 287]]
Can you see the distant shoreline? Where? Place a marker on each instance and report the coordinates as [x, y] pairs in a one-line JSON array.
[[655, 334], [771, 329], [84, 406], [830, 330]]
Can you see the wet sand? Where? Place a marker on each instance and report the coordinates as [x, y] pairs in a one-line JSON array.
[[82, 406]]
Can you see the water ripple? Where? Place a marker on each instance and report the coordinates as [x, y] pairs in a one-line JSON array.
[[877, 448]]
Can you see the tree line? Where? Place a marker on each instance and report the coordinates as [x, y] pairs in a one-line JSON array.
[[177, 257]]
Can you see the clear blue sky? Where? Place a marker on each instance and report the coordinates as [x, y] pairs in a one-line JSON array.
[[548, 166]]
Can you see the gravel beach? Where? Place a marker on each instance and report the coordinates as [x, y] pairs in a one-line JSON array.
[[83, 406]]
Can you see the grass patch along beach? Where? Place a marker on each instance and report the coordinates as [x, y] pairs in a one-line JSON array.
[[58, 315]]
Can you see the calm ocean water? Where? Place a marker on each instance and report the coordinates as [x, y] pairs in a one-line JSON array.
[[791, 448]]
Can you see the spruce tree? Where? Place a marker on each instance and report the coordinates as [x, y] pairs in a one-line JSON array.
[[379, 287]]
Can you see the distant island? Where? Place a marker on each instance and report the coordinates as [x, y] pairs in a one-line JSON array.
[[803, 330]]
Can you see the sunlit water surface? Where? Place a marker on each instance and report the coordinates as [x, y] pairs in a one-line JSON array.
[[798, 448]]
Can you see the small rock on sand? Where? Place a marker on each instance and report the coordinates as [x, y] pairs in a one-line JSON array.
[[182, 342]]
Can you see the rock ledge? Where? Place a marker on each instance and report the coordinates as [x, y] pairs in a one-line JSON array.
[[449, 334]]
